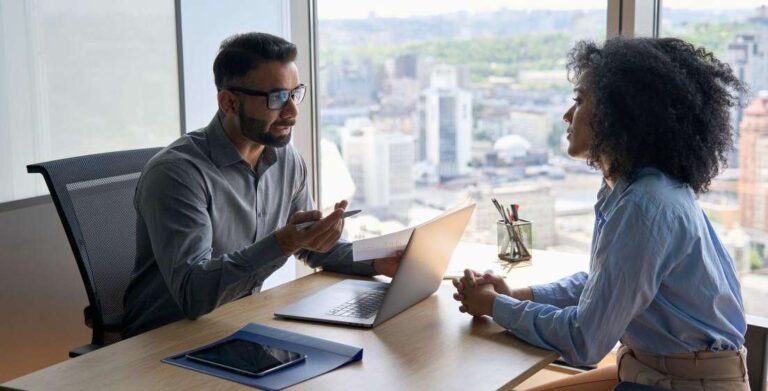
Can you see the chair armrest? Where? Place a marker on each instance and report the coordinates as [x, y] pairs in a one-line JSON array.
[[79, 351]]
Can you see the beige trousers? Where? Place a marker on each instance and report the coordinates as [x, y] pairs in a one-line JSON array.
[[695, 371]]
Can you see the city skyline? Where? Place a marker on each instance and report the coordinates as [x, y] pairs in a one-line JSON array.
[[340, 9], [511, 93]]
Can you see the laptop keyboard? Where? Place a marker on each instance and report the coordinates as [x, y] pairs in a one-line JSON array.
[[363, 306]]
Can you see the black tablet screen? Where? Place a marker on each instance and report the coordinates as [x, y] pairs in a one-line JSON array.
[[245, 356]]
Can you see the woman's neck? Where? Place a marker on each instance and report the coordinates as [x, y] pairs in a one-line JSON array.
[[608, 180]]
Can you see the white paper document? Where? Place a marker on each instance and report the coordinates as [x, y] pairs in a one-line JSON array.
[[381, 246]]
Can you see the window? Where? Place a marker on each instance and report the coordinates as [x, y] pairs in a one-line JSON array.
[[204, 25], [82, 78], [737, 33], [425, 104]]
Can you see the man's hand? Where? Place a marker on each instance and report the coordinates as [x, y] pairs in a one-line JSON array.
[[388, 266], [477, 298], [321, 237]]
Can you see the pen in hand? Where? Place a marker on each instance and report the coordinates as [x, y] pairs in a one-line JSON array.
[[309, 224]]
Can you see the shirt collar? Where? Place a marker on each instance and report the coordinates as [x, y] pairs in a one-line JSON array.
[[608, 198], [224, 153]]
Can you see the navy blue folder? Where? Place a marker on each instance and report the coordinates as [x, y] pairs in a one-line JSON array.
[[322, 356]]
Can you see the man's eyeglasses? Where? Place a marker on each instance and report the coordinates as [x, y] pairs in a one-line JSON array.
[[276, 100]]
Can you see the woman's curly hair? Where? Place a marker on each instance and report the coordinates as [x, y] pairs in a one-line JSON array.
[[658, 102]]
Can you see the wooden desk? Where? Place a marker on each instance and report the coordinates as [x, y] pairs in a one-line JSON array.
[[429, 346]]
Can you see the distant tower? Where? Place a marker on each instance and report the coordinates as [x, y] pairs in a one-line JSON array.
[[748, 57], [447, 123], [381, 166], [753, 179]]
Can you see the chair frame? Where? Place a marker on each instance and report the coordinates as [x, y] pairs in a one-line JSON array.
[[92, 313]]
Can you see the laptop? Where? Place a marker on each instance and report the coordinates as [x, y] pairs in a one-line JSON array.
[[369, 303]]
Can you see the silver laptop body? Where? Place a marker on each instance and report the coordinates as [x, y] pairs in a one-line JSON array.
[[369, 303]]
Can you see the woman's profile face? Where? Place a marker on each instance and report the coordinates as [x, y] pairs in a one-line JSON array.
[[579, 129]]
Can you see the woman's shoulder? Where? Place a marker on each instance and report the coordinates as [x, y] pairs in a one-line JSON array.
[[661, 192]]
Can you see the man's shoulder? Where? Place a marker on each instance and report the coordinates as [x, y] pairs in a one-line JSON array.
[[186, 151], [181, 161]]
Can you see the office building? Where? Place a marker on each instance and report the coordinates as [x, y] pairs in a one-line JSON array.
[[407, 66], [381, 167], [753, 179], [447, 124], [747, 54]]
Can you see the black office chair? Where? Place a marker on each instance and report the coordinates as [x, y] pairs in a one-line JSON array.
[[94, 198]]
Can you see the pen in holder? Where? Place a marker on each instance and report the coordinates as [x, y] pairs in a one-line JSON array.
[[514, 241]]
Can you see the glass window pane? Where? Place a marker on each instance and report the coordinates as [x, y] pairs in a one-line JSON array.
[[204, 25], [426, 104], [737, 33], [82, 77]]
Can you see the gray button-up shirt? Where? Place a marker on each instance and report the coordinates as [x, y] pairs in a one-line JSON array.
[[205, 227]]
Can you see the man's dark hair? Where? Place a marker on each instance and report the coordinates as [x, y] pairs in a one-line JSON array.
[[658, 102], [241, 53]]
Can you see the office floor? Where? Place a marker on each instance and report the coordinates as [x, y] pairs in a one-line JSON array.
[[552, 373]]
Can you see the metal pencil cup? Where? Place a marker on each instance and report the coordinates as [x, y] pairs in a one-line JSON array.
[[514, 241]]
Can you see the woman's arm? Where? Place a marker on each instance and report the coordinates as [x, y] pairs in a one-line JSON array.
[[628, 269], [562, 293]]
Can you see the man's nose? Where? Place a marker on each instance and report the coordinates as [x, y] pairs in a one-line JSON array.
[[291, 110]]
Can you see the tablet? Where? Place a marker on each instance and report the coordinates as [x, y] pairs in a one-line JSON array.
[[246, 357]]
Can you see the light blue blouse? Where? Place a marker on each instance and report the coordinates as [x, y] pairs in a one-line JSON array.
[[660, 281]]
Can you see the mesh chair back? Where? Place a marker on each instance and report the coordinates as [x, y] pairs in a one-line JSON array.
[[94, 198]]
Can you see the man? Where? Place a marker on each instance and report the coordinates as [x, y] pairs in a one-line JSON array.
[[217, 209]]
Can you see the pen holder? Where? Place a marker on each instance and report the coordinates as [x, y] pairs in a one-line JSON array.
[[514, 241]]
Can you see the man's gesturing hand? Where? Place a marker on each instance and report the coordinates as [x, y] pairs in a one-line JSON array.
[[321, 237]]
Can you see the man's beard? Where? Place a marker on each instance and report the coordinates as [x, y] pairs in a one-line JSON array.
[[257, 131]]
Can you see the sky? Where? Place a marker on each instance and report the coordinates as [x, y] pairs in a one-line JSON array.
[[357, 9]]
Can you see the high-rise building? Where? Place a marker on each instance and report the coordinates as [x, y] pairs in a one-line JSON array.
[[748, 57], [447, 124], [407, 66], [753, 179], [749, 61], [381, 167], [351, 83]]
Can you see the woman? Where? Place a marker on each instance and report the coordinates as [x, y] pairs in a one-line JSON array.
[[653, 116]]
